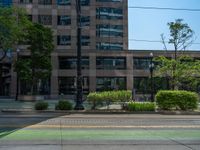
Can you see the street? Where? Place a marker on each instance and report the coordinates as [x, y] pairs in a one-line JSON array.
[[99, 132]]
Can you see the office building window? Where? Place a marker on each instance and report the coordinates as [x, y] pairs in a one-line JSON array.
[[64, 2], [109, 1], [109, 46], [105, 30], [67, 85], [5, 3], [30, 17], [85, 40], [85, 2], [45, 2], [142, 85], [111, 63], [71, 63], [63, 40], [43, 87], [141, 63], [45, 19], [110, 83], [25, 1], [85, 21], [64, 20], [109, 13]]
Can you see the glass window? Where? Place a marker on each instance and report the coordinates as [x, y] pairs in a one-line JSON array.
[[64, 2], [142, 85], [109, 13], [63, 40], [108, 63], [5, 3], [85, 21], [25, 1], [45, 19], [45, 2], [110, 83], [67, 85], [106, 30], [141, 63], [71, 63], [44, 87], [30, 17], [85, 40], [109, 0], [85, 2], [64, 20], [109, 46]]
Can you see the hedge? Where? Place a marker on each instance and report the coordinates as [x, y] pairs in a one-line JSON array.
[[177, 100], [63, 105], [141, 106], [41, 105], [97, 98]]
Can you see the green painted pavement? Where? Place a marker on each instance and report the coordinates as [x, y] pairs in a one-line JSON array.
[[99, 134]]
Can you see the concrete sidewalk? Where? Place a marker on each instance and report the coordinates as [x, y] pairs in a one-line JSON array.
[[81, 131]]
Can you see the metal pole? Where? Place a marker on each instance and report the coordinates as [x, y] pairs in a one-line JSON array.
[[17, 84], [79, 96], [151, 72]]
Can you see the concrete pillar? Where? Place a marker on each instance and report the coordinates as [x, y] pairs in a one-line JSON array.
[[92, 72], [129, 76], [54, 76]]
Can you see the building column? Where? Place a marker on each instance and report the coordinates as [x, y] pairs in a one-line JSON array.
[[54, 76], [129, 76], [92, 72]]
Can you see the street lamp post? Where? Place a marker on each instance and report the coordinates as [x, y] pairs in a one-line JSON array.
[[79, 81], [17, 77], [151, 67]]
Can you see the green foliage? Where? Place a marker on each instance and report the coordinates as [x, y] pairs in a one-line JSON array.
[[141, 106], [180, 34], [13, 28], [185, 74], [177, 100], [178, 69], [37, 67], [41, 105], [97, 98], [63, 105]]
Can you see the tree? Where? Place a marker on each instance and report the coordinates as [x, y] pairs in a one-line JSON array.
[[187, 73], [38, 66], [181, 37], [13, 25]]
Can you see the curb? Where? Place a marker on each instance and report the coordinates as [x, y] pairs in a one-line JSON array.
[[74, 111], [179, 112], [98, 112]]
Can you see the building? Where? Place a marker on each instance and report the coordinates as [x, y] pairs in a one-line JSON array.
[[107, 64]]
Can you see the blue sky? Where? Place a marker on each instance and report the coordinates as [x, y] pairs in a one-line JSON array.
[[149, 24]]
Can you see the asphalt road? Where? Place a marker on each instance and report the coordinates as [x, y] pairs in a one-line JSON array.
[[99, 132]]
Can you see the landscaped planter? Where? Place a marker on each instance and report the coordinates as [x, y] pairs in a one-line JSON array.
[[30, 97]]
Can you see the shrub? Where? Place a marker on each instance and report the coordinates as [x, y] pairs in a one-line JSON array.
[[41, 105], [63, 105], [177, 100], [97, 98], [141, 106]]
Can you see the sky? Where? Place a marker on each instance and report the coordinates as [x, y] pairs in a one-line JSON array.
[[146, 24]]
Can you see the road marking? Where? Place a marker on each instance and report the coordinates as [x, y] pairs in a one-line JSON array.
[[38, 126]]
